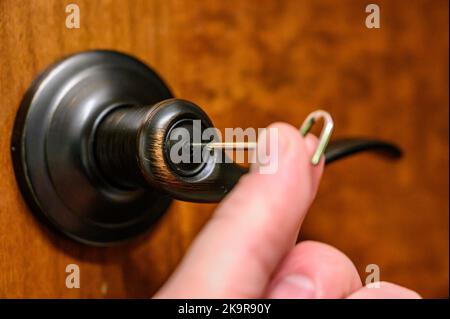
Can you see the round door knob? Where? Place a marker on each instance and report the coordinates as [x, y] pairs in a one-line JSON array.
[[92, 145]]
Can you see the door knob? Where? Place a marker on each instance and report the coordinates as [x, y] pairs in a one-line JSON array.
[[90, 149]]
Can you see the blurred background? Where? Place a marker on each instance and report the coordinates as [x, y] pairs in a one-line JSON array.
[[250, 63]]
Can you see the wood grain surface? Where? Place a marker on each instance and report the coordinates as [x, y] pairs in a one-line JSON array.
[[250, 63]]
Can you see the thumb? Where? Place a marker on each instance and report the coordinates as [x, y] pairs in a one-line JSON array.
[[253, 228]]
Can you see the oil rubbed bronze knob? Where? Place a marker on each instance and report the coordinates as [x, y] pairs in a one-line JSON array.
[[92, 148], [89, 146], [133, 144]]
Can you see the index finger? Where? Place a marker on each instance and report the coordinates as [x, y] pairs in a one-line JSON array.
[[253, 228]]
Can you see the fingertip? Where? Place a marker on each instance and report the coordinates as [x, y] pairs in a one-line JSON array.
[[311, 142], [332, 273], [289, 167]]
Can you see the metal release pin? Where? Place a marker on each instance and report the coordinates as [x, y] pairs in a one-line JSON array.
[[304, 129]]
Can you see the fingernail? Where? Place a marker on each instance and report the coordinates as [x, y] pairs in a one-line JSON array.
[[294, 287], [272, 146]]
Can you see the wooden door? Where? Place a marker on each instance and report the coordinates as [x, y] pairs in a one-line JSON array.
[[249, 63]]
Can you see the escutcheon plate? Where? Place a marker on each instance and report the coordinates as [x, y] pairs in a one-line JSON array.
[[52, 147]]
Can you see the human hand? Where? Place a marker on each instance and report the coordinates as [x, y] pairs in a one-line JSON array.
[[248, 250]]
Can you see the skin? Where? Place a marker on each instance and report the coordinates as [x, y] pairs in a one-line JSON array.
[[248, 249]]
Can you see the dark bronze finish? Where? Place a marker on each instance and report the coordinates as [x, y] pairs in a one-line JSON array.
[[90, 149], [131, 146]]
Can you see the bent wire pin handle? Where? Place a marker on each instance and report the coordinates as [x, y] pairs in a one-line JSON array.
[[304, 129], [324, 135]]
